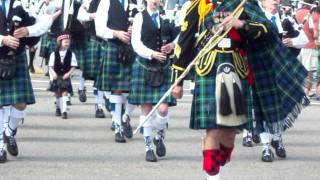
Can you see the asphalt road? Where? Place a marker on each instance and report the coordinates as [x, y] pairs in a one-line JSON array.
[[83, 147]]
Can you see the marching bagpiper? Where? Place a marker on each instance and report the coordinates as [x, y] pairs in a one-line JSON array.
[[152, 40], [18, 25], [91, 64], [294, 38], [113, 26], [221, 91]]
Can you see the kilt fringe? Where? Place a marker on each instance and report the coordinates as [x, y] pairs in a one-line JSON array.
[[288, 122], [291, 118]]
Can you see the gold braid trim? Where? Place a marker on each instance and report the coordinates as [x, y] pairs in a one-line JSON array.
[[177, 67], [192, 5]]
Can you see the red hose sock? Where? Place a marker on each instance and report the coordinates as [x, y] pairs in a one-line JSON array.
[[211, 161], [225, 153]]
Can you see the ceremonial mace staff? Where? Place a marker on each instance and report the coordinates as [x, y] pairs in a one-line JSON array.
[[213, 41]]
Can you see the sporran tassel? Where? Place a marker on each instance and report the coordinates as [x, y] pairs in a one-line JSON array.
[[238, 99], [225, 106]]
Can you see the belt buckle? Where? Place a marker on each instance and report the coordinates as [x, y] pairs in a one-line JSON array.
[[225, 43]]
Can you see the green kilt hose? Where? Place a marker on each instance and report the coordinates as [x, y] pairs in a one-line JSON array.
[[91, 65], [204, 110], [140, 92], [113, 75], [19, 89]]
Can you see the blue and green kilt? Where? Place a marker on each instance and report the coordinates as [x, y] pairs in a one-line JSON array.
[[113, 75], [18, 89], [48, 45], [91, 64], [79, 49], [52, 43], [140, 92], [43, 46], [203, 110]]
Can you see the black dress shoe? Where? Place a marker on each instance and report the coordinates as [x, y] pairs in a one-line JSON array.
[[82, 95], [14, 132], [100, 113], [12, 146], [64, 115], [279, 147], [119, 138], [113, 126], [267, 155], [256, 139], [160, 147], [58, 112], [150, 156], [247, 141], [127, 129], [3, 156]]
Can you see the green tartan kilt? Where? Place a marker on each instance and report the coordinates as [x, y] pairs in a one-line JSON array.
[[113, 75], [48, 43], [43, 46], [141, 93], [92, 63], [203, 110], [79, 50], [19, 89], [52, 43]]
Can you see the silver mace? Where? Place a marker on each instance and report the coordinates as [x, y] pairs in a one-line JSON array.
[[214, 40]]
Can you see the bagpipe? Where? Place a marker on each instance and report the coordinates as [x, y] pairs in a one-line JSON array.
[[126, 54], [154, 73], [74, 27], [19, 18]]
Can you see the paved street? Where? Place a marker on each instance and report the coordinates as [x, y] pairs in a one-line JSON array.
[[83, 147]]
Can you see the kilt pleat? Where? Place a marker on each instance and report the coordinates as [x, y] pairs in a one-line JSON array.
[[113, 75], [92, 59], [43, 45], [141, 93], [19, 89], [79, 49]]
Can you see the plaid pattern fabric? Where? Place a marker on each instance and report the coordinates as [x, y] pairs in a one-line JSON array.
[[141, 93], [92, 63], [113, 75], [51, 44], [43, 45], [59, 85], [19, 89], [80, 52], [203, 113], [48, 42], [278, 78]]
